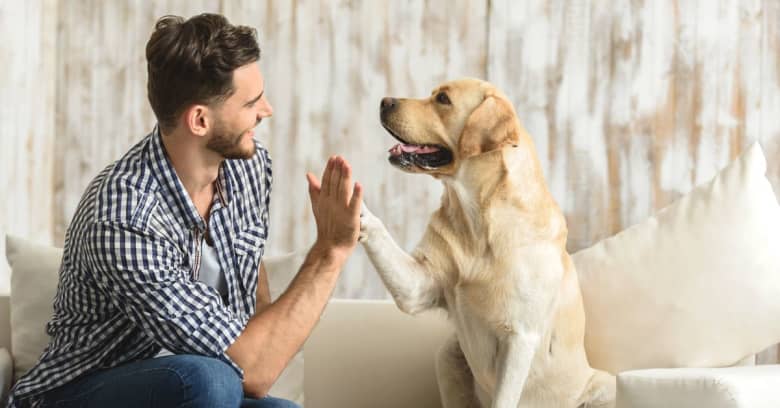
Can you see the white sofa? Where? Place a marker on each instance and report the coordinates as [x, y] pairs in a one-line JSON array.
[[366, 353], [672, 305]]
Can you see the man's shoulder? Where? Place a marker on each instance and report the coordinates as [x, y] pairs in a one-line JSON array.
[[125, 190]]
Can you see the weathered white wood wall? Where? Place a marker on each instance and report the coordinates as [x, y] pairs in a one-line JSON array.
[[631, 103], [27, 133]]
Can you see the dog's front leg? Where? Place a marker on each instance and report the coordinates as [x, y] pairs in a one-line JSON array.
[[515, 354], [407, 279]]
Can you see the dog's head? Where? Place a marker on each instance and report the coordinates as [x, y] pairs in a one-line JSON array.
[[459, 120]]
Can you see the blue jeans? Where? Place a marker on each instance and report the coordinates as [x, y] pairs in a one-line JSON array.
[[183, 381]]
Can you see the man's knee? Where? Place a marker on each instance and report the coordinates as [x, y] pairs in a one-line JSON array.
[[208, 382]]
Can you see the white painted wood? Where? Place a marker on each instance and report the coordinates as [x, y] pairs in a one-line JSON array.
[[630, 103], [27, 52]]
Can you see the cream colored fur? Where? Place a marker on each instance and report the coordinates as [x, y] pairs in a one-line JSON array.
[[493, 256]]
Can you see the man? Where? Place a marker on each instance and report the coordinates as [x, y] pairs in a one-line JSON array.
[[163, 299]]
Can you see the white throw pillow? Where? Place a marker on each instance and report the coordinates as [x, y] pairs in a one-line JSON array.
[[698, 285], [34, 276]]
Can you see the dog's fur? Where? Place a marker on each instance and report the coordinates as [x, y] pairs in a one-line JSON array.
[[494, 256]]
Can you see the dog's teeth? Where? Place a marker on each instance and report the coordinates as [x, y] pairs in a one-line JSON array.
[[395, 150]]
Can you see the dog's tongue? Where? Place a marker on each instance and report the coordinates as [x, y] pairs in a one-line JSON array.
[[400, 148]]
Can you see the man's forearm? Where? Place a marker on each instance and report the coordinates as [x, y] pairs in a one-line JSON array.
[[274, 334]]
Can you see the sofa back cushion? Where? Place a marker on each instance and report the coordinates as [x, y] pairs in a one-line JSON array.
[[367, 353], [697, 285], [34, 271]]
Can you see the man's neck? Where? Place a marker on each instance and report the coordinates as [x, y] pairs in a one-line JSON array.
[[196, 166]]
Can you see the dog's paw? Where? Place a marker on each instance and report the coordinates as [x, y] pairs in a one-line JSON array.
[[369, 224]]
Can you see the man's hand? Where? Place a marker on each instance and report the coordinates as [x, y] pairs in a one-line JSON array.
[[336, 206]]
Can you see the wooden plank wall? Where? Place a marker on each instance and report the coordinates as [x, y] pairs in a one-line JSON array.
[[631, 103], [27, 106]]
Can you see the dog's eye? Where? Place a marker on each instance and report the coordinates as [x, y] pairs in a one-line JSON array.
[[443, 99]]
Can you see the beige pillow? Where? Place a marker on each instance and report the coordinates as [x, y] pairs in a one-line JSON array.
[[34, 275], [698, 285]]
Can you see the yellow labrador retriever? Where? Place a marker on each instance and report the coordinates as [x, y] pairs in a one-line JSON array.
[[494, 256]]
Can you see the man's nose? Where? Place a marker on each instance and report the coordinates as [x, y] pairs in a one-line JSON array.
[[388, 104], [266, 110]]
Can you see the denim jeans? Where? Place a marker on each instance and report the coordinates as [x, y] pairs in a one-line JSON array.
[[184, 381]]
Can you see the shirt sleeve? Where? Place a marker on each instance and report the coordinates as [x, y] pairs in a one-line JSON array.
[[146, 279]]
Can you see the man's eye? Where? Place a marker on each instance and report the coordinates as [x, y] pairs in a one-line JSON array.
[[443, 99]]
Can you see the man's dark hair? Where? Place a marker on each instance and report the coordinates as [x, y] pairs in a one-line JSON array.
[[192, 62]]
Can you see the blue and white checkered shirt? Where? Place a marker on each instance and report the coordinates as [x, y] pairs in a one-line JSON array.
[[128, 280]]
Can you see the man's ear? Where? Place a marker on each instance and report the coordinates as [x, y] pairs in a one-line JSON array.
[[197, 119], [491, 126]]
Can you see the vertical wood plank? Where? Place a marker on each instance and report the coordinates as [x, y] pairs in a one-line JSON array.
[[633, 104], [27, 129], [630, 104]]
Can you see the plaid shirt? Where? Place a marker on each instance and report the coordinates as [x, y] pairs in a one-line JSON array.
[[128, 282]]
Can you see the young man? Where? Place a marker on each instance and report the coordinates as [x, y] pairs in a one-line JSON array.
[[163, 299]]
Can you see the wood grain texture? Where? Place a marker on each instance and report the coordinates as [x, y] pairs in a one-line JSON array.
[[631, 103], [27, 132]]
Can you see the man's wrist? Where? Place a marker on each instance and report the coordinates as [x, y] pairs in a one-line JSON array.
[[330, 254]]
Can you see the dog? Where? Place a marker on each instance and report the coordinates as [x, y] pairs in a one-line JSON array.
[[493, 256]]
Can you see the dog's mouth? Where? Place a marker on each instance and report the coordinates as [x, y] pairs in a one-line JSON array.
[[424, 156]]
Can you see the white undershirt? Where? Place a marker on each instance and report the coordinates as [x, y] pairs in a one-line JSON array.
[[209, 273]]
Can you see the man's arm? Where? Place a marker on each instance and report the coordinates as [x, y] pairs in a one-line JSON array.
[[275, 333]]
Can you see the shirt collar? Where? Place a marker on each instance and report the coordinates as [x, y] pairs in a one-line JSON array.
[[177, 197]]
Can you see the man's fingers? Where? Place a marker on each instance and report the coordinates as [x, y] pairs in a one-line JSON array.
[[327, 175], [314, 186], [357, 199], [345, 185], [335, 179]]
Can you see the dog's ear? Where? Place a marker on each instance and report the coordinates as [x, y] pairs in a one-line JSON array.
[[491, 126]]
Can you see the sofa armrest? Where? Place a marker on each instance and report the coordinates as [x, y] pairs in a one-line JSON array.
[[6, 374], [735, 387]]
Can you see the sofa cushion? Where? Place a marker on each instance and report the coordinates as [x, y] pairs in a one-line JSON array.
[[366, 353], [733, 387], [697, 285], [34, 271]]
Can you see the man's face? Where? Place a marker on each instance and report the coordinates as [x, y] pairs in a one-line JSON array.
[[234, 120]]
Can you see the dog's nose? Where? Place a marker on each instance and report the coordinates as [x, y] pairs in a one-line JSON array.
[[388, 104]]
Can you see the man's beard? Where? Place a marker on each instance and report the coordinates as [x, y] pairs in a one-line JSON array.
[[229, 145]]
